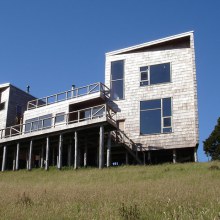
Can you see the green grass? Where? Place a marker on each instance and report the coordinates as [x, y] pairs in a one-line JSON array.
[[170, 191]]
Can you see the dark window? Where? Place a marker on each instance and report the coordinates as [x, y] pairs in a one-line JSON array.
[[155, 74], [151, 121], [2, 106], [155, 116], [117, 80]]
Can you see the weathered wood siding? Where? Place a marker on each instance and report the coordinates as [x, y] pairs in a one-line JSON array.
[[3, 112], [17, 97], [182, 89]]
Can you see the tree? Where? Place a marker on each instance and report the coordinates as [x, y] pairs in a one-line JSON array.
[[211, 145]]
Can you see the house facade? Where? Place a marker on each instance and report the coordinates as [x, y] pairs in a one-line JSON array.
[[154, 91], [146, 112]]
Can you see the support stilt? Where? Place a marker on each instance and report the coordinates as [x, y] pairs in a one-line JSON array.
[[101, 147], [76, 151], [126, 158], [30, 156], [85, 154], [195, 155], [42, 157], [47, 154], [174, 155], [60, 151], [4, 158], [109, 150], [149, 157], [17, 157]]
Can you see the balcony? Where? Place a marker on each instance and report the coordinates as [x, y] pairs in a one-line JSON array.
[[75, 119], [68, 95]]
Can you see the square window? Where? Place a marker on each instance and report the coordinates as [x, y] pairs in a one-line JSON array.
[[152, 120], [166, 122], [155, 74]]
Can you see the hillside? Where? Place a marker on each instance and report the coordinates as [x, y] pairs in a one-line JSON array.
[[170, 191]]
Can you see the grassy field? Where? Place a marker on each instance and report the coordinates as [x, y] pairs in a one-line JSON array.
[[170, 191]]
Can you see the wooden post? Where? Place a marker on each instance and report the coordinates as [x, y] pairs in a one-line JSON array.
[[85, 154], [4, 158], [195, 155], [27, 153], [60, 151], [14, 159], [47, 153], [126, 158], [109, 145], [42, 157], [101, 147], [30, 156], [76, 151], [17, 157], [149, 157], [70, 153], [144, 155], [174, 155]]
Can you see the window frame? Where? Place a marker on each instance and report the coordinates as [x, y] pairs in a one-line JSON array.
[[59, 115], [114, 80], [149, 74], [162, 117]]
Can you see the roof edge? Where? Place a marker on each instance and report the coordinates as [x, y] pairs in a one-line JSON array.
[[150, 43]]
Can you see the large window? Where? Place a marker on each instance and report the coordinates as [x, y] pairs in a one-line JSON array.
[[155, 74], [38, 123], [156, 116], [117, 80]]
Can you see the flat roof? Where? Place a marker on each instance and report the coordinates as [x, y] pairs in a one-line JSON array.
[[150, 43]]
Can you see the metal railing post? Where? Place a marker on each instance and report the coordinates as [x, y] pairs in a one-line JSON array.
[[78, 115]]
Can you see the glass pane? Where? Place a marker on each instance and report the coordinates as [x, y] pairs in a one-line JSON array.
[[160, 73], [117, 90], [144, 68], [47, 123], [167, 107], [144, 83], [151, 122], [98, 111], [59, 118], [151, 104], [117, 69], [41, 120], [34, 126], [167, 122], [87, 114], [27, 127], [167, 130], [144, 76]]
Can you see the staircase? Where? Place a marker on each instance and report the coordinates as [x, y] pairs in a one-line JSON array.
[[121, 138]]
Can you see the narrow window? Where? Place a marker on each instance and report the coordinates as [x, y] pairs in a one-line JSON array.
[[155, 74], [117, 80], [2, 106], [144, 76], [155, 116]]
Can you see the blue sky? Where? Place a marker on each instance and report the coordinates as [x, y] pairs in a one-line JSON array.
[[51, 44]]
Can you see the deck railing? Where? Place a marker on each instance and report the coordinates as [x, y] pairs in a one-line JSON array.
[[69, 94], [87, 114]]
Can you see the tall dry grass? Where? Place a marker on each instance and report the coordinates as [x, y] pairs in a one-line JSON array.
[[170, 191]]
